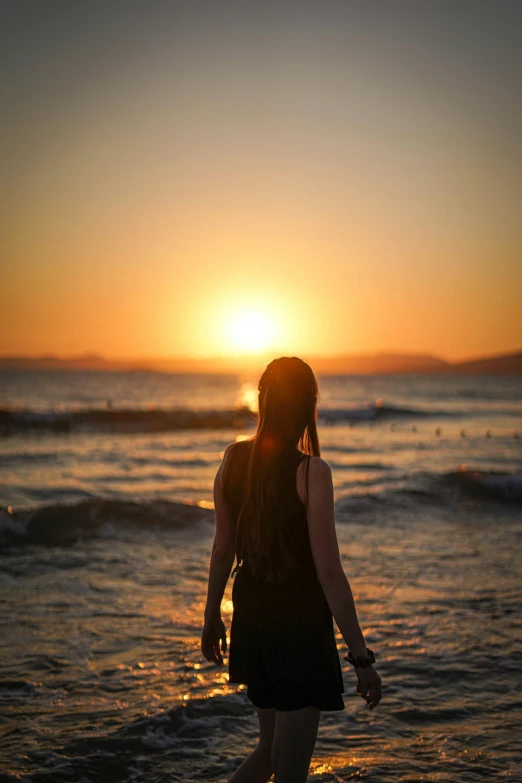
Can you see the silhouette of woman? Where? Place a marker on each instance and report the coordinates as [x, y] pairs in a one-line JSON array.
[[274, 508]]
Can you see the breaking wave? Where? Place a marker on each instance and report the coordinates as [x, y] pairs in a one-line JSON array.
[[429, 489], [160, 420], [500, 486], [156, 747], [131, 420], [61, 524], [64, 523], [377, 412]]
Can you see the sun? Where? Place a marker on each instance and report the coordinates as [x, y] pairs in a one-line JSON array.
[[250, 331]]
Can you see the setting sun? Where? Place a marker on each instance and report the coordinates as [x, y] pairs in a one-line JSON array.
[[250, 331]]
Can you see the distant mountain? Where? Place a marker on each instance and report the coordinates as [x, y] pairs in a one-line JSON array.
[[351, 364], [506, 364], [87, 362], [385, 363]]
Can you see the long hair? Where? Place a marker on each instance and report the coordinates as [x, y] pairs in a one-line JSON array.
[[288, 394]]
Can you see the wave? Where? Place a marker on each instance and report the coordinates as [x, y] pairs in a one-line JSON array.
[[174, 744], [191, 719], [441, 491], [62, 524], [380, 412], [501, 486], [131, 420], [160, 420], [376, 412]]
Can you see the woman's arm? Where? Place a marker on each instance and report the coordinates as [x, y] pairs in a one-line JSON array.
[[221, 561], [337, 590], [325, 550]]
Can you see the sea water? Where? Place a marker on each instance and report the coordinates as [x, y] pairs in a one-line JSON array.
[[106, 529]]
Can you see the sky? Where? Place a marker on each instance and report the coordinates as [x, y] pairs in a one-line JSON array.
[[210, 178]]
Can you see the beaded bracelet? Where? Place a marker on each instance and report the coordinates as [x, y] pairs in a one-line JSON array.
[[362, 661]]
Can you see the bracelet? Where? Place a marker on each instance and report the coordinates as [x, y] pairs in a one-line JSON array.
[[362, 661]]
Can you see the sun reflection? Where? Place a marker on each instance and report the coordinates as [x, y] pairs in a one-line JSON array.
[[219, 692], [330, 764], [249, 397], [205, 504]]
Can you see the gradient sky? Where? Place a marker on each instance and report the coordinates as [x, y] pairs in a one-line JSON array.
[[351, 169]]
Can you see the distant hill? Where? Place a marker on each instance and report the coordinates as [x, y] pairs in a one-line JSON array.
[[351, 364], [507, 364], [87, 362], [385, 363]]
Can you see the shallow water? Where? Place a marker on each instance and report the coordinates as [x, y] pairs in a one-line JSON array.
[[101, 674]]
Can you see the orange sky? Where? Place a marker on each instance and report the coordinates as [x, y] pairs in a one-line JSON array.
[[351, 177]]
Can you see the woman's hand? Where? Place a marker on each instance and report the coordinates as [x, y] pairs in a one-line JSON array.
[[214, 632], [369, 685]]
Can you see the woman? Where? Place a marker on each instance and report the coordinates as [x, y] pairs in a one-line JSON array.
[[275, 510]]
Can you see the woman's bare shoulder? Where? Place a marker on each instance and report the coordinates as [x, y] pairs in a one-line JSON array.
[[228, 449], [237, 446], [320, 469], [319, 478], [225, 459]]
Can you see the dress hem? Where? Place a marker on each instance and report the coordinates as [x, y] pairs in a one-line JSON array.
[[300, 706]]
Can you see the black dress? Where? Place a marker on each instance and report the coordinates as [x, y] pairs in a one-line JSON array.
[[282, 640]]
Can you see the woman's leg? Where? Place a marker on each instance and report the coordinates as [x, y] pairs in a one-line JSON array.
[[293, 744], [257, 768]]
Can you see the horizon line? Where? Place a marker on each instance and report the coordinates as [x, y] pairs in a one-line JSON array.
[[249, 357]]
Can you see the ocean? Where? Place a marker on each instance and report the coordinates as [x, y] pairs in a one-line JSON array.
[[106, 527]]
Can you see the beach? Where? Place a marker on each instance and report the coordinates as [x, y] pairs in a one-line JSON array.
[[106, 530]]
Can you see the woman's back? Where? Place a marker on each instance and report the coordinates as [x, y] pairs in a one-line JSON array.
[[291, 517], [282, 641]]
